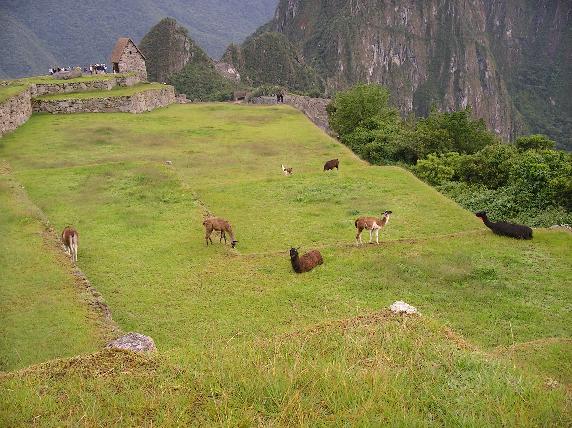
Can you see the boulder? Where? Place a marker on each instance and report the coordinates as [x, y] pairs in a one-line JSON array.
[[135, 342], [400, 307]]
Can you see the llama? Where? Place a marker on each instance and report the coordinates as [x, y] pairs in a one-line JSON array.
[[307, 262], [331, 164], [70, 240], [517, 231], [220, 225], [287, 171], [373, 224]]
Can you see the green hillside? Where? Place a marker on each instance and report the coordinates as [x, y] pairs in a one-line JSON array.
[[241, 339]]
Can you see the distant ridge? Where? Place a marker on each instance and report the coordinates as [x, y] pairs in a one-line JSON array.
[[37, 35]]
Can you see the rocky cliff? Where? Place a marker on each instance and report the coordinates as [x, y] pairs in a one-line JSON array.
[[510, 60]]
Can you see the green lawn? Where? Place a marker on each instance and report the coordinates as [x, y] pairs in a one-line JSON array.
[[117, 91], [242, 339]]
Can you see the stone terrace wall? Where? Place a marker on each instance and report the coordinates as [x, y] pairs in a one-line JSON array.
[[137, 103], [63, 87], [314, 108], [15, 111]]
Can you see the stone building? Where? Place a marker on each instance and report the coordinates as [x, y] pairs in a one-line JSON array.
[[127, 58]]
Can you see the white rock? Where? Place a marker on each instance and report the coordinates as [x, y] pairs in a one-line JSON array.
[[400, 307]]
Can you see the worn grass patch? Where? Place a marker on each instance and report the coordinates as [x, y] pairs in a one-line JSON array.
[[358, 371]]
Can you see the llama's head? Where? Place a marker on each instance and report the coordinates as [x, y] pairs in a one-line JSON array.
[[293, 253], [481, 214], [387, 213], [233, 243]]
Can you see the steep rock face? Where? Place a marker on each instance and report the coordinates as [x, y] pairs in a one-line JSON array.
[[448, 53]]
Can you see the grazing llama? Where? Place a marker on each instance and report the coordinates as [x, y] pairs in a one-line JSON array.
[[220, 225], [517, 231], [331, 164], [373, 224], [70, 240], [286, 171], [307, 262]]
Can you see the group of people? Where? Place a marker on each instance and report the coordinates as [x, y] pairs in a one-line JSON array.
[[97, 69], [54, 70]]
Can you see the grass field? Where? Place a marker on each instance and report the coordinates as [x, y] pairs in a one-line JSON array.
[[243, 340]]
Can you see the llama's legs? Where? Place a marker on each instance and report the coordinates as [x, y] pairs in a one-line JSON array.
[[370, 235], [377, 236], [358, 237]]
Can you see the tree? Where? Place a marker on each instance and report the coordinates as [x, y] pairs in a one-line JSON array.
[[349, 109], [534, 142]]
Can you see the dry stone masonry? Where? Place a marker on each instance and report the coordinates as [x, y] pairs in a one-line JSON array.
[[15, 111], [40, 89], [314, 108], [137, 103]]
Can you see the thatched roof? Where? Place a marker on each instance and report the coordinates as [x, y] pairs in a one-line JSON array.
[[122, 42]]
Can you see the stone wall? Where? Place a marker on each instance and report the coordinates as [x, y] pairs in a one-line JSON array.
[[15, 111], [314, 108], [132, 61], [137, 103], [61, 87]]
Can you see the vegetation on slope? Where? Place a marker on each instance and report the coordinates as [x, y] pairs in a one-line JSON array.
[[241, 338], [268, 58], [174, 58], [528, 181]]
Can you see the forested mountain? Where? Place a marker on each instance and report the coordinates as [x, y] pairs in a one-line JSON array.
[[35, 35], [510, 60]]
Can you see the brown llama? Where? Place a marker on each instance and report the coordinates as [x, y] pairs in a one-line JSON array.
[[306, 262], [373, 224], [220, 225], [70, 241], [331, 164]]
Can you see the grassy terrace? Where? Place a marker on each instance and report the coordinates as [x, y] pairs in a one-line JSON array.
[[115, 92], [16, 86], [242, 339], [10, 90]]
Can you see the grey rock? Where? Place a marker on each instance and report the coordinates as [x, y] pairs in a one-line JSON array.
[[135, 342]]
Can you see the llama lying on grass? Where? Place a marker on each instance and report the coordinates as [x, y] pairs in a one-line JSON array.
[[373, 224], [307, 262], [286, 171], [220, 225], [517, 231], [331, 164], [70, 241]]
